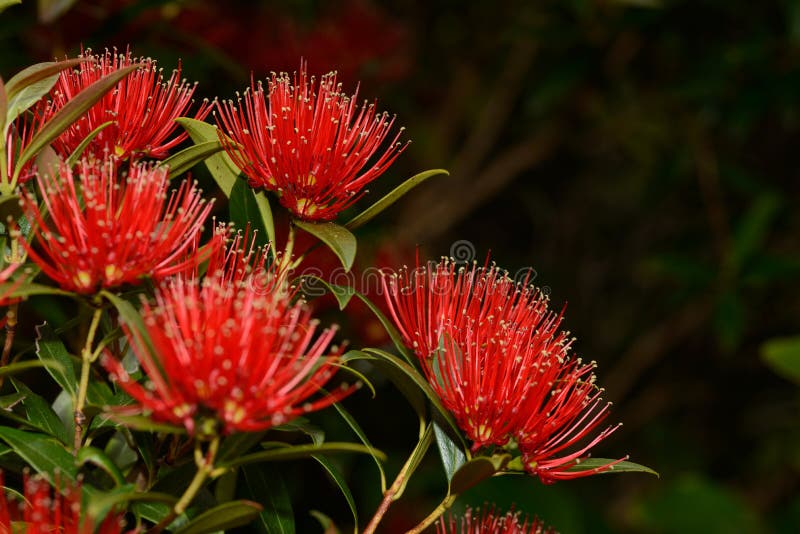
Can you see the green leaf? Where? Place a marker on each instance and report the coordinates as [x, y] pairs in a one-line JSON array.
[[133, 319], [58, 361], [245, 209], [327, 524], [264, 209], [143, 423], [30, 289], [97, 457], [301, 451], [38, 72], [337, 477], [453, 458], [343, 294], [356, 428], [26, 97], [3, 110], [782, 355], [19, 367], [368, 214], [100, 504], [302, 425], [221, 166], [478, 469], [238, 444], [268, 487], [337, 238], [588, 464], [8, 3], [753, 227], [187, 158], [416, 457], [39, 413], [228, 515], [71, 112], [45, 455], [78, 152]]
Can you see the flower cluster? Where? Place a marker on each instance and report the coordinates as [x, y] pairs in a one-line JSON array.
[[141, 108], [309, 143], [232, 348], [489, 521], [106, 228], [494, 354], [44, 511]]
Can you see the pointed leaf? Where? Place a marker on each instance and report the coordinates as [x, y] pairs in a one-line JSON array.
[[97, 457], [327, 524], [142, 422], [3, 110], [228, 515], [8, 3], [38, 72], [478, 469], [310, 287], [353, 424], [417, 455], [588, 464], [264, 209], [23, 99], [31, 289], [52, 351], [71, 112], [19, 367], [268, 487], [78, 152], [44, 454], [337, 477], [221, 166], [453, 458], [337, 238], [301, 451], [368, 214], [245, 210], [187, 158], [100, 504], [782, 355], [39, 413], [238, 444]]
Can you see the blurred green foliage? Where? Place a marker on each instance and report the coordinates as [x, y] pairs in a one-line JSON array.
[[639, 154]]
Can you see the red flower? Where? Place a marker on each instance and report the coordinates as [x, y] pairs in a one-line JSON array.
[[495, 356], [491, 522], [142, 105], [231, 347], [113, 229], [311, 145], [44, 511]]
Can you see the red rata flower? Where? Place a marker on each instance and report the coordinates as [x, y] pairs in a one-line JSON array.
[[493, 353], [44, 512], [143, 108], [233, 348], [311, 145], [489, 521], [113, 229]]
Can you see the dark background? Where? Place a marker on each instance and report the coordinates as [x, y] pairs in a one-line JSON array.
[[637, 154]]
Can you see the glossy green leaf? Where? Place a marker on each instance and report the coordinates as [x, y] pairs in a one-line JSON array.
[[12, 289], [370, 213], [8, 3], [782, 355], [228, 515], [245, 210], [314, 286], [39, 413], [187, 158], [426, 389], [131, 316], [50, 10], [221, 166], [268, 487], [78, 152], [27, 96], [52, 351], [394, 334], [142, 422], [301, 451], [264, 209], [71, 112], [339, 480], [589, 464], [356, 428], [453, 457], [416, 457], [337, 238], [95, 456], [45, 455], [327, 524], [152, 511], [302, 425], [475, 471], [38, 72], [119, 497], [19, 367]]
